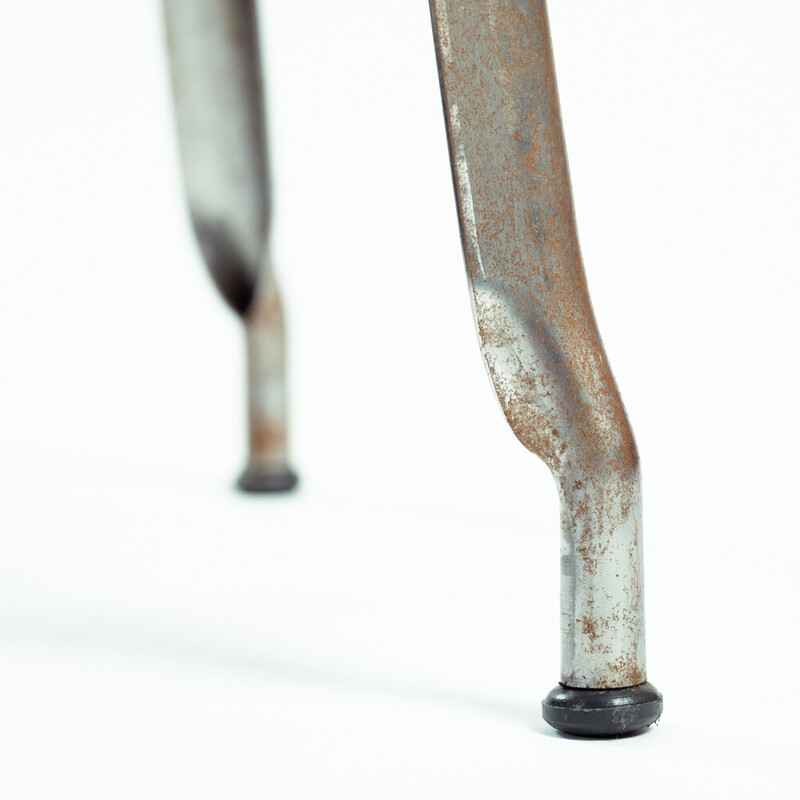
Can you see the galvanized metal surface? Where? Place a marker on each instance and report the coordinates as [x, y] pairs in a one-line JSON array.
[[538, 334], [218, 96]]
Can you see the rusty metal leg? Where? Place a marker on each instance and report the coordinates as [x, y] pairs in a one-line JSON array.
[[541, 345], [216, 79], [267, 470]]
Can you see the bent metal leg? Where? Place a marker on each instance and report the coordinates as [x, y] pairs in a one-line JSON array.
[[216, 79], [541, 345]]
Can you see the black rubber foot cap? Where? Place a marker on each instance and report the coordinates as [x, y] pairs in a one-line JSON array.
[[259, 480], [602, 712]]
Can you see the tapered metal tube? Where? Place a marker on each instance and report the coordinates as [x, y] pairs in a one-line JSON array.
[[216, 78], [538, 333]]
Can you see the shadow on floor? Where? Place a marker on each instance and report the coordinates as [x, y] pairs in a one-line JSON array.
[[134, 639]]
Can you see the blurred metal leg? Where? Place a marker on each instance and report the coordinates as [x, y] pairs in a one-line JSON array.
[[218, 96], [267, 470], [541, 345]]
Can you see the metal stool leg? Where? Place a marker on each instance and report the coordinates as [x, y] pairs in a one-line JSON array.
[[216, 77], [541, 345]]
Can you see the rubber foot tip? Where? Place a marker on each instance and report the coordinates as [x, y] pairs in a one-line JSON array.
[[257, 479], [601, 713]]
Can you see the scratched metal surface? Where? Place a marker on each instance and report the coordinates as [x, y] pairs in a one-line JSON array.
[[538, 334]]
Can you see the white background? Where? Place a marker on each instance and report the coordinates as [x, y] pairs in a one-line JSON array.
[[390, 630]]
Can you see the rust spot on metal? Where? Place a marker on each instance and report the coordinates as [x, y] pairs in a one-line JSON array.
[[627, 671], [266, 437]]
